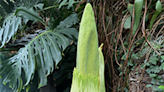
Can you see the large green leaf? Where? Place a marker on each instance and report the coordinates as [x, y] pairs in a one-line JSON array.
[[12, 23], [9, 28], [40, 54], [30, 14]]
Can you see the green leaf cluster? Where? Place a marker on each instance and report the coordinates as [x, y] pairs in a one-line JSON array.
[[41, 54], [155, 64]]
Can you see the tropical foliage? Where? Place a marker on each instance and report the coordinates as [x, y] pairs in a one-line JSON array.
[[43, 50], [41, 38]]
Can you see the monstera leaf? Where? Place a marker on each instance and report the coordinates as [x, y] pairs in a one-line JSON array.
[[41, 54], [5, 8], [30, 14], [12, 23], [9, 28]]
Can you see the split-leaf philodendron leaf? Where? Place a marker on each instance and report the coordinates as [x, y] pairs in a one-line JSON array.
[[88, 76], [41, 53]]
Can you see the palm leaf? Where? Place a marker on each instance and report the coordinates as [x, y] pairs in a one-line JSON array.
[[40, 54]]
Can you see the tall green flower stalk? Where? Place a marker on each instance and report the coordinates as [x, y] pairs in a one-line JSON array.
[[88, 76]]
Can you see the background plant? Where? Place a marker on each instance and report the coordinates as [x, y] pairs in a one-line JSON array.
[[121, 44], [41, 50]]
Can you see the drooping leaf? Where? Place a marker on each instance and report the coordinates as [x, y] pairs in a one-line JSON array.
[[41, 54], [12, 23], [62, 3], [157, 12], [9, 28], [69, 21], [28, 14], [71, 2]]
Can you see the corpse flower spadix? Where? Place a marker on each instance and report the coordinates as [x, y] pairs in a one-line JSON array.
[[88, 76]]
